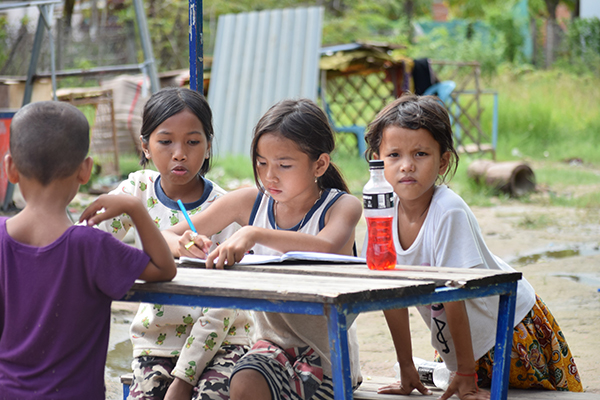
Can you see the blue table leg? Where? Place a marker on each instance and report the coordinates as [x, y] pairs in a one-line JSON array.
[[338, 347], [504, 335]]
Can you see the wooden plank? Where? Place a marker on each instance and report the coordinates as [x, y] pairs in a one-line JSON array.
[[472, 148], [368, 391], [441, 276], [294, 287]]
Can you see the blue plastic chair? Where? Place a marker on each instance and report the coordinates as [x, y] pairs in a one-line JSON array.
[[443, 90], [357, 130]]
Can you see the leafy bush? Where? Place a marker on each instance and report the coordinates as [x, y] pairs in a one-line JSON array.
[[581, 50], [463, 43]]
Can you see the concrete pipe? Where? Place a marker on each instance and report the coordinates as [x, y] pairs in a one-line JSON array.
[[513, 177]]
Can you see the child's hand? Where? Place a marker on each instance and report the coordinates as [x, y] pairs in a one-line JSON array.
[[179, 390], [466, 389], [193, 245], [232, 250], [409, 380], [109, 206]]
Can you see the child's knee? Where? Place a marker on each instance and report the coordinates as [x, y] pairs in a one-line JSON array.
[[248, 384]]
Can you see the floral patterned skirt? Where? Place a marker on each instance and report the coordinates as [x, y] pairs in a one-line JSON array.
[[540, 357]]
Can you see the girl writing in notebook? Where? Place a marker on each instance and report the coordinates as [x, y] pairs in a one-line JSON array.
[[435, 227], [301, 203]]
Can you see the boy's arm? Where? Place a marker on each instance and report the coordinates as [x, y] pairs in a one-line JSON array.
[[119, 225], [161, 266], [399, 326]]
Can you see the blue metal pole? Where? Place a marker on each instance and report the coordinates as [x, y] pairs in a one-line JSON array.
[[504, 339], [196, 46], [495, 122], [340, 358]]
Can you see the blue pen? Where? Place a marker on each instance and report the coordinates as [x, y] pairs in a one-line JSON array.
[[189, 221]]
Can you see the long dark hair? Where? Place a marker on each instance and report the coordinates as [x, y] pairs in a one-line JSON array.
[[303, 122], [167, 102], [415, 112]]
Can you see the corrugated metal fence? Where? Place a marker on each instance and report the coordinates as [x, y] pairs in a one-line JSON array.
[[259, 59]]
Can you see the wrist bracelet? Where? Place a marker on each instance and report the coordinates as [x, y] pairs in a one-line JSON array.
[[474, 375]]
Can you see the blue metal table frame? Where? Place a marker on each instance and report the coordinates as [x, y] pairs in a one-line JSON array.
[[342, 309]]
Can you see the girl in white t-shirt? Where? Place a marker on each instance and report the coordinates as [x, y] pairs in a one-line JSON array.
[[435, 227], [179, 351], [299, 203]]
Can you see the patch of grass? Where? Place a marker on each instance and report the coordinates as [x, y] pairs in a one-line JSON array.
[[129, 163], [546, 115], [536, 222], [569, 185], [231, 172], [557, 174], [588, 200], [354, 169]]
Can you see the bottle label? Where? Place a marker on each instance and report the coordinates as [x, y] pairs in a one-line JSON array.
[[378, 200], [426, 374]]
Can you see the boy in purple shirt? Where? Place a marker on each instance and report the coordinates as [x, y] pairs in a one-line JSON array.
[[57, 280]]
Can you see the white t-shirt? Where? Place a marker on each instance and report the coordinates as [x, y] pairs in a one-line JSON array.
[[451, 237]]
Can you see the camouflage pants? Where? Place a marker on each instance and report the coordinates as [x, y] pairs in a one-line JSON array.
[[152, 375]]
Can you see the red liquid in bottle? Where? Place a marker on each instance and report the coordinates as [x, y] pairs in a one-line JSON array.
[[381, 253]]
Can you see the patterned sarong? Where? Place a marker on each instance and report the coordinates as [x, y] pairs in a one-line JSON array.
[[540, 357]]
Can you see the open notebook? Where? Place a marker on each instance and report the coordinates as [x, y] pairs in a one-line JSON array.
[[297, 257]]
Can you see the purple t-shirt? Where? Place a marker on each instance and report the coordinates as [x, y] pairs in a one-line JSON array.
[[55, 311]]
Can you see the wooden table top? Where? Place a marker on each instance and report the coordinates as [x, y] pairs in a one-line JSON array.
[[321, 283]]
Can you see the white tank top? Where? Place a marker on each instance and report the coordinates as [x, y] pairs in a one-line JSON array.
[[262, 216], [296, 330]]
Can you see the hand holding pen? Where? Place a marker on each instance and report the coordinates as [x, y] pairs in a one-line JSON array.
[[205, 242]]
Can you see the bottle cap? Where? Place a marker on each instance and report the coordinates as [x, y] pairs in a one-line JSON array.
[[375, 164]]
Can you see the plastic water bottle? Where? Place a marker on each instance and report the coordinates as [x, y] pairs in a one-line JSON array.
[[378, 201], [431, 373]]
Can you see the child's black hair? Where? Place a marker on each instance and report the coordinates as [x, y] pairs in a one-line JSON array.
[[415, 112], [304, 123], [167, 102], [49, 140]]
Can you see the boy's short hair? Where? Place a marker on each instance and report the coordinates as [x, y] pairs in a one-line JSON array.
[[49, 140]]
